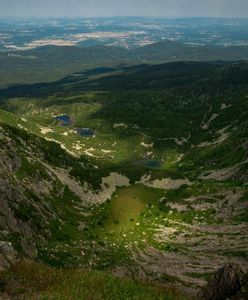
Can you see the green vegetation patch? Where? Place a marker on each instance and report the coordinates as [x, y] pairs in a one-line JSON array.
[[28, 280]]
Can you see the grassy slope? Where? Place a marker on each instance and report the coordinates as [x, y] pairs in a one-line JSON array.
[[30, 281]]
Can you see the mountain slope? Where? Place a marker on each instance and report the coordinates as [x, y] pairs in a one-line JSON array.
[[50, 63], [175, 51], [161, 184], [30, 193]]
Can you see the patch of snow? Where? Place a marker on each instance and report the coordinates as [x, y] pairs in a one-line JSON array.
[[62, 146], [206, 124], [88, 152], [45, 130], [77, 147], [222, 137], [20, 126], [164, 183], [118, 125], [225, 106], [106, 151], [147, 145]]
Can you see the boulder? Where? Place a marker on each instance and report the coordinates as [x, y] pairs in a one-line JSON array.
[[8, 255], [225, 283]]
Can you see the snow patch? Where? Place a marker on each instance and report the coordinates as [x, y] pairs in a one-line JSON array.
[[147, 145], [45, 130]]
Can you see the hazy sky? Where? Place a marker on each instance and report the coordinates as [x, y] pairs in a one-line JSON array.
[[70, 8]]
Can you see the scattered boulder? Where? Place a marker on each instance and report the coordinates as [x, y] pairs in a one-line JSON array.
[[8, 255], [225, 283]]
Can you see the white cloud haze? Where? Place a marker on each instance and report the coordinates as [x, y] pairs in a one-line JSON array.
[[91, 8]]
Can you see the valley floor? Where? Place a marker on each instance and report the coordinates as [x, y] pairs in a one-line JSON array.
[[145, 184]]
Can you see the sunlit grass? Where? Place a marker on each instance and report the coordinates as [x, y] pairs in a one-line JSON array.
[[30, 281]]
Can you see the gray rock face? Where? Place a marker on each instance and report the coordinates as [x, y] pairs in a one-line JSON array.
[[225, 283], [24, 214], [31, 193], [8, 255]]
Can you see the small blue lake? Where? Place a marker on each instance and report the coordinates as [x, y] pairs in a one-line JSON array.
[[149, 163], [65, 120], [86, 132]]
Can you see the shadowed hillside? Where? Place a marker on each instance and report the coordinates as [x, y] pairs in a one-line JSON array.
[[50, 63]]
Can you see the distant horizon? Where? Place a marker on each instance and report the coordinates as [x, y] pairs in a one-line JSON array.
[[120, 16], [112, 8]]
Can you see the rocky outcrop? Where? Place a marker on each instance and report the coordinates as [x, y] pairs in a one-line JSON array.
[[37, 191], [8, 255], [26, 190], [225, 283]]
